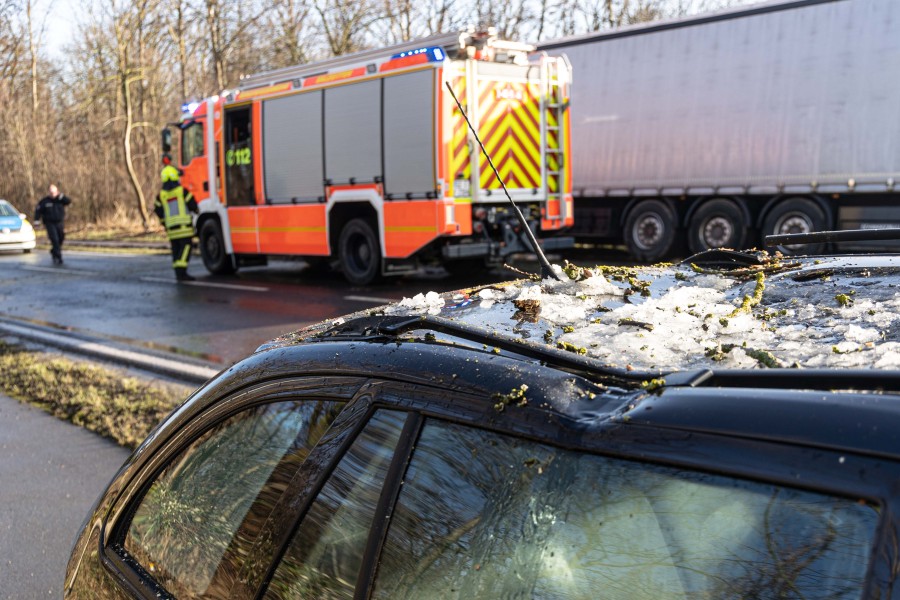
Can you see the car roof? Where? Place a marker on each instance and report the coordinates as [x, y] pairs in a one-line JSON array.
[[500, 386], [801, 350], [745, 311], [503, 352]]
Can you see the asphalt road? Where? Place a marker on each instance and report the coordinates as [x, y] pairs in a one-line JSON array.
[[134, 297], [51, 472]]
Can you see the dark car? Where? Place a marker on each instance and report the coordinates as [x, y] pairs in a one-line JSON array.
[[728, 428]]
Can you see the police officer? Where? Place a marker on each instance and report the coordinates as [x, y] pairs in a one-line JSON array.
[[51, 211], [172, 206]]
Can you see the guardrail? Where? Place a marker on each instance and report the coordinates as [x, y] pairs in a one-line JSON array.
[[182, 368]]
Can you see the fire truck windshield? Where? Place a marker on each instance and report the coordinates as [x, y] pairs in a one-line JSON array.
[[191, 142]]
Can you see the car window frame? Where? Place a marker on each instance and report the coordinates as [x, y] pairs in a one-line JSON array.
[[791, 465], [127, 572]]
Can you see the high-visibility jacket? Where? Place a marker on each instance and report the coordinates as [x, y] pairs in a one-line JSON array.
[[172, 207]]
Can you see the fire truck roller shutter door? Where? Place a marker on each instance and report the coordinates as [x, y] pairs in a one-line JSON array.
[[353, 133], [292, 148], [409, 129]]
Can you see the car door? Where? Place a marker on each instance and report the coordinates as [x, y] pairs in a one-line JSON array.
[[184, 524], [439, 503]]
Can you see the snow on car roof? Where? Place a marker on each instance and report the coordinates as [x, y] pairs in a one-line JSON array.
[[826, 312]]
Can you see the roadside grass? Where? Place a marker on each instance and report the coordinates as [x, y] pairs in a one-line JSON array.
[[117, 227], [120, 407], [105, 233]]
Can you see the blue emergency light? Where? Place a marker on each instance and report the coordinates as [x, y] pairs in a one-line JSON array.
[[434, 53]]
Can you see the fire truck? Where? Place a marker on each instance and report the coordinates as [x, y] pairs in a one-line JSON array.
[[365, 163]]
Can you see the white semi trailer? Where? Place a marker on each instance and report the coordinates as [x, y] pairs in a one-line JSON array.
[[720, 129]]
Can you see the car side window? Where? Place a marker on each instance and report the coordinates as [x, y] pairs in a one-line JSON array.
[[325, 555], [482, 515], [208, 503]]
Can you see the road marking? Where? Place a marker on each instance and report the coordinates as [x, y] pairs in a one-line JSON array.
[[225, 286], [59, 270], [374, 299]]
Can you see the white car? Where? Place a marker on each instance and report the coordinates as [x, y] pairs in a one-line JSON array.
[[16, 233]]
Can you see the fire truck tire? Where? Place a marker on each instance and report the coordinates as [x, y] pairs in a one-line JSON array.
[[795, 215], [650, 230], [718, 223], [212, 249], [359, 252]]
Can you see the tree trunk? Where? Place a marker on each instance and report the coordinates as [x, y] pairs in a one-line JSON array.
[[126, 78]]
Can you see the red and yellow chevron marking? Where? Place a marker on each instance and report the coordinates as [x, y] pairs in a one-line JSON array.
[[459, 149], [510, 127]]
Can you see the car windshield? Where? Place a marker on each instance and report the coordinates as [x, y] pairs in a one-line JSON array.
[[6, 210]]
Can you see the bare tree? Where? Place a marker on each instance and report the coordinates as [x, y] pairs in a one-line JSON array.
[[128, 72], [509, 17], [441, 16], [229, 35], [177, 26], [345, 23], [293, 40]]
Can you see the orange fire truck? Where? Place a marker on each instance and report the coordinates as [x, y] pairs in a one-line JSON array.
[[365, 162]]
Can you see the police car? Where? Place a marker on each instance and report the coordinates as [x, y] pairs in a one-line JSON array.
[[16, 233]]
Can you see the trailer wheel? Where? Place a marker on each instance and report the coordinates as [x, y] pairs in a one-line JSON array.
[[718, 223], [795, 215], [212, 249], [359, 252], [650, 230]]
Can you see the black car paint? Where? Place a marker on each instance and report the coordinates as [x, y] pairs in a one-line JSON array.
[[703, 429]]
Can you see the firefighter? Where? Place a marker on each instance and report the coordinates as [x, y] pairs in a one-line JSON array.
[[172, 205]]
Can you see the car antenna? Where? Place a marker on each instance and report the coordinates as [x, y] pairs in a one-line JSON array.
[[546, 269]]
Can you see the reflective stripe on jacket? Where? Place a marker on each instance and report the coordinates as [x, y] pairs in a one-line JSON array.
[[175, 215]]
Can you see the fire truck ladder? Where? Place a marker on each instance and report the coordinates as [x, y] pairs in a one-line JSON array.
[[552, 100]]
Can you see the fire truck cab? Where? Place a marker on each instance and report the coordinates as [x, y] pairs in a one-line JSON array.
[[366, 163]]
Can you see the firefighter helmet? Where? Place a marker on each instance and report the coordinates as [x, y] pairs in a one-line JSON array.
[[169, 173]]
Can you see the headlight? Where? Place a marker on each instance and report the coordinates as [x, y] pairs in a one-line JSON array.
[[27, 229]]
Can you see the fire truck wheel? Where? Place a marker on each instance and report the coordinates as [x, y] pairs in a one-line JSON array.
[[718, 223], [795, 215], [212, 249], [359, 252], [650, 230]]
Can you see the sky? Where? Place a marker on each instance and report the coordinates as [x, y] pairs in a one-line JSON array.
[[61, 23]]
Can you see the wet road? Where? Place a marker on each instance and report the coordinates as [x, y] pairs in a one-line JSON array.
[[134, 297]]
